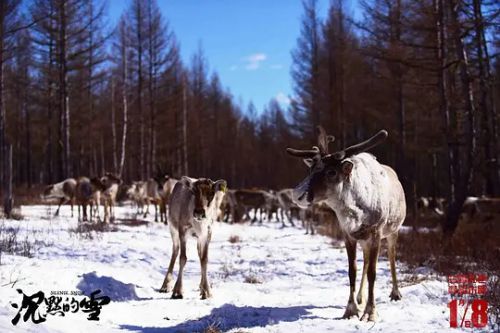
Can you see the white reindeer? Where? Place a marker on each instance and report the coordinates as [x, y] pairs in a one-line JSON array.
[[369, 202]]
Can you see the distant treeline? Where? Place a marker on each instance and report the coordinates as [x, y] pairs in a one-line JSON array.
[[78, 97]]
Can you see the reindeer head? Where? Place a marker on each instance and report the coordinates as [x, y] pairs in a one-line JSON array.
[[110, 179], [206, 192], [161, 177], [97, 184], [327, 171]]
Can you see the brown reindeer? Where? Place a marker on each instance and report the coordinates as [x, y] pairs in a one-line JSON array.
[[87, 193], [369, 202]]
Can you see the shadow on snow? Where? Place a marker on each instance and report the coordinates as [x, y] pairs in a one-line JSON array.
[[229, 316]]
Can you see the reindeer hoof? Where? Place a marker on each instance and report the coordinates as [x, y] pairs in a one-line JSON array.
[[370, 314], [369, 317], [163, 290], [351, 311], [176, 295], [205, 294], [349, 315], [395, 295]]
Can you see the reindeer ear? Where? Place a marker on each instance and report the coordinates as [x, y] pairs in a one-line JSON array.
[[347, 168], [220, 185], [188, 182], [308, 162]]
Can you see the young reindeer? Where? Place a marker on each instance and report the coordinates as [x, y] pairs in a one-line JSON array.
[[194, 206], [369, 202]]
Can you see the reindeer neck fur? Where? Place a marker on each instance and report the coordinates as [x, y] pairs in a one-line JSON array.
[[366, 199]]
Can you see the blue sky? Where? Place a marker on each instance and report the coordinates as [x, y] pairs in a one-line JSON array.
[[248, 42]]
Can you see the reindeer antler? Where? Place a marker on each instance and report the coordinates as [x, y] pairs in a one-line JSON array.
[[324, 140], [360, 147], [304, 153]]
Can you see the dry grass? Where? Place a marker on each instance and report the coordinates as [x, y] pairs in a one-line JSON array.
[[89, 231], [234, 239], [493, 297], [252, 279], [29, 196], [132, 222], [474, 248], [12, 242]]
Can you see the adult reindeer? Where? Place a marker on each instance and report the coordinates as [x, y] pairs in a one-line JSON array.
[[369, 202]]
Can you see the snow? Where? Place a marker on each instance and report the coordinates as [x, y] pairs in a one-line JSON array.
[[303, 280]]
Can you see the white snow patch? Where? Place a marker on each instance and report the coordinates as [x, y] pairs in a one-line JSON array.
[[304, 281]]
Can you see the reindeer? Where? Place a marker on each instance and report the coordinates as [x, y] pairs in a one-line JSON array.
[[109, 185], [137, 193], [64, 191], [165, 194], [369, 202], [194, 206], [286, 203], [87, 193], [154, 189]]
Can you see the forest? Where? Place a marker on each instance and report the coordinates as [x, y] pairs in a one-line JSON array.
[[78, 97]]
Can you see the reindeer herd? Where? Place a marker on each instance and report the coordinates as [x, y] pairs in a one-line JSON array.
[[349, 188]]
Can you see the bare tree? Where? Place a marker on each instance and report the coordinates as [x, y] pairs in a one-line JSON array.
[[305, 72]]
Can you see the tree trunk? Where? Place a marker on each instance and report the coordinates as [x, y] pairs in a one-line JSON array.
[[464, 178], [142, 171], [486, 105], [28, 141], [63, 94], [184, 127], [125, 103], [50, 83], [113, 126], [2, 102], [8, 201]]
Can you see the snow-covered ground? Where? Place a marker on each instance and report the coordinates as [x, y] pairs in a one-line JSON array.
[[304, 283]]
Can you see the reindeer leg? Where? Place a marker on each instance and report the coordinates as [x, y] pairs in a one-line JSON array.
[[59, 207], [177, 293], [147, 208], [91, 210], [112, 209], [84, 207], [290, 219], [156, 212], [351, 308], [373, 245], [167, 282], [361, 293], [205, 287], [199, 247], [282, 218], [391, 242], [72, 201]]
